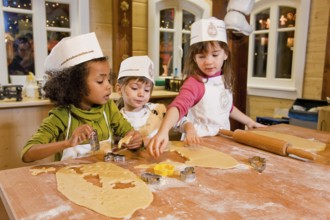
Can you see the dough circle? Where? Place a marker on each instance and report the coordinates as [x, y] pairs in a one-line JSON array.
[[106, 198], [203, 156]]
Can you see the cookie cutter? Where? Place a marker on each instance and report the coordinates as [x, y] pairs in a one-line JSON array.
[[94, 141], [114, 157], [188, 174], [164, 169], [258, 163], [151, 178]]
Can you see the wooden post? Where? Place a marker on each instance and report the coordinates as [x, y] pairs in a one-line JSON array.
[[122, 33], [239, 45]]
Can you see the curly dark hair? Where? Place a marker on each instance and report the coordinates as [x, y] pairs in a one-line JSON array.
[[69, 85]]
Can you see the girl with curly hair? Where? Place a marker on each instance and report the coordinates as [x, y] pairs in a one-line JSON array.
[[79, 86]]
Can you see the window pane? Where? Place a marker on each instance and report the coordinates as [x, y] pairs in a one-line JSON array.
[[287, 17], [21, 4], [53, 37], [57, 15], [187, 20], [260, 55], [167, 18], [19, 43], [165, 54], [262, 20], [284, 54]]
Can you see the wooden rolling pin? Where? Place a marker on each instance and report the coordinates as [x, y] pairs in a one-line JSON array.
[[269, 144]]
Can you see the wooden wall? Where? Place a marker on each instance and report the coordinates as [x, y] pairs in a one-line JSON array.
[[101, 23]]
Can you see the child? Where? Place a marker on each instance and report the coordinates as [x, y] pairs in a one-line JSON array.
[[135, 85], [79, 87], [206, 95]]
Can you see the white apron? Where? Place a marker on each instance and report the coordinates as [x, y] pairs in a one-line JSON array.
[[211, 113], [82, 150]]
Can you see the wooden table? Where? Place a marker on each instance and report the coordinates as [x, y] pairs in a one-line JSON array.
[[287, 189]]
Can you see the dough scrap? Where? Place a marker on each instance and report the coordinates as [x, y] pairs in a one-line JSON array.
[[36, 171], [125, 140], [106, 199], [203, 156], [296, 142]]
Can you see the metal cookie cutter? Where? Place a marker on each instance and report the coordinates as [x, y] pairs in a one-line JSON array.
[[188, 174], [94, 141], [258, 163], [114, 157], [151, 178]]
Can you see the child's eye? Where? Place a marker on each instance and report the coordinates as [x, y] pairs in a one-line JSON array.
[[147, 90]]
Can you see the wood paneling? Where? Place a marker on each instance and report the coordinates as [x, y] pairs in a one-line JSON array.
[[326, 75], [122, 32]]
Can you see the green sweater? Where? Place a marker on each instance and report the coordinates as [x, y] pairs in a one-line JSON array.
[[54, 127]]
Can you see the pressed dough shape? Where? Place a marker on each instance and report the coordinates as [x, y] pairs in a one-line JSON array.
[[296, 142], [105, 199], [203, 156]]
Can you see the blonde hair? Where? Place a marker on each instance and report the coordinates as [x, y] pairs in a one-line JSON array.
[[191, 68], [123, 81]]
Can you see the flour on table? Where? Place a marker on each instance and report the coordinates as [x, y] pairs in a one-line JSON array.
[[296, 142], [118, 194], [203, 156]]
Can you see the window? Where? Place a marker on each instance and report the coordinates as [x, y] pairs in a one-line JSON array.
[[276, 56], [31, 28], [169, 32]]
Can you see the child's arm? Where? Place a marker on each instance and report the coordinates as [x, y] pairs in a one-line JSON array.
[[159, 142], [41, 151], [191, 137], [244, 119]]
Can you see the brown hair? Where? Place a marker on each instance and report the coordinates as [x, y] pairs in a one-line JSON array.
[[191, 68]]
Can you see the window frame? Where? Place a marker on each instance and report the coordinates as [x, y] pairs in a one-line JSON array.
[[270, 86], [79, 18], [201, 9]]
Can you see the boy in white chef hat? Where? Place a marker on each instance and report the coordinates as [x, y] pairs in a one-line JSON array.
[[79, 86], [206, 94], [135, 84]]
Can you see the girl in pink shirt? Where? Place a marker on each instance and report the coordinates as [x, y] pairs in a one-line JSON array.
[[206, 94]]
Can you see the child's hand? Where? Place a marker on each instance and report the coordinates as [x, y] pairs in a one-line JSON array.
[[158, 144], [192, 138], [255, 125], [80, 135], [135, 140]]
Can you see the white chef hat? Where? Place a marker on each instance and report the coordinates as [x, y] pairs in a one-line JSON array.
[[137, 66], [210, 29], [71, 51]]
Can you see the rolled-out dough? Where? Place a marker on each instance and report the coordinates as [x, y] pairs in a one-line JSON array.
[[203, 156], [296, 142], [106, 197]]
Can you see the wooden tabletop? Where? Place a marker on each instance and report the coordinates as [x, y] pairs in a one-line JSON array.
[[287, 189]]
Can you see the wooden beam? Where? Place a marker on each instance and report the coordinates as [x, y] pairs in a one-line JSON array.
[[122, 32], [239, 45]]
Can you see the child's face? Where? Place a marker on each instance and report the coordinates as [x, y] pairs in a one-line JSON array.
[[135, 94], [98, 85], [210, 62]]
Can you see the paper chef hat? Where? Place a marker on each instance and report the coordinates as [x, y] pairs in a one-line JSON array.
[[137, 66], [71, 51], [210, 29]]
